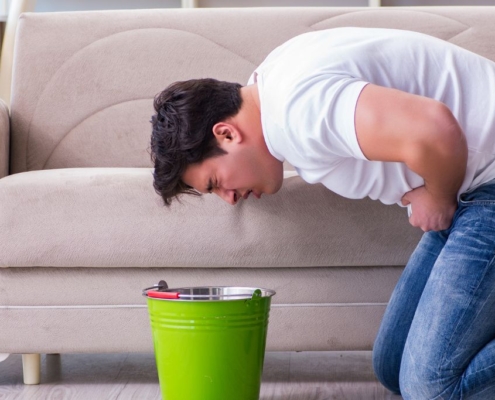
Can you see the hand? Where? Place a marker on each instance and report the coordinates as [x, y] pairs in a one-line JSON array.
[[428, 212]]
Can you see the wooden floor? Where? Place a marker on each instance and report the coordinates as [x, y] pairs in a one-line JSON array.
[[286, 376]]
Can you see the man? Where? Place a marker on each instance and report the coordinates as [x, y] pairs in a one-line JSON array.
[[397, 116]]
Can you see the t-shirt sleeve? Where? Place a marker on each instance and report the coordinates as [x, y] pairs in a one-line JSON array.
[[320, 117]]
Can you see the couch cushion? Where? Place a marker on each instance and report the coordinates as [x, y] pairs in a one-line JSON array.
[[111, 217], [86, 100]]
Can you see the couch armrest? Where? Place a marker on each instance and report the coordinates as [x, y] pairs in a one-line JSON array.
[[4, 139], [112, 217]]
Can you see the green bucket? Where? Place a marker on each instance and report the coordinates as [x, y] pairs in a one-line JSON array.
[[209, 341]]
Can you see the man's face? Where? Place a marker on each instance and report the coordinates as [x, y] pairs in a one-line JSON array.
[[242, 172]]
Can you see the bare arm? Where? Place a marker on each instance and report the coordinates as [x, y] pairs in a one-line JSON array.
[[395, 126]]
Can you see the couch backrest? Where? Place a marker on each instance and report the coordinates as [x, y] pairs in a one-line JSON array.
[[84, 83]]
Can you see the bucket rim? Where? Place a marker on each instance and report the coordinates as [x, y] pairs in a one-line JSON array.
[[183, 293]]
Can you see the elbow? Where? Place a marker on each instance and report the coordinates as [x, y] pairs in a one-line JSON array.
[[444, 131], [446, 128], [442, 138]]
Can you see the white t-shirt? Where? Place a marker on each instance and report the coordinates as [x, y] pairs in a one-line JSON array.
[[309, 88]]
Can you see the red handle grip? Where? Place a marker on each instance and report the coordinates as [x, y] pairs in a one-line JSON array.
[[162, 295]]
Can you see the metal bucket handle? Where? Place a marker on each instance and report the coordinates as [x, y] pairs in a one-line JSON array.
[[161, 286]]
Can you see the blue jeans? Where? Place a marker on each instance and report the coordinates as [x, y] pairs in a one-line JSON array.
[[437, 337]]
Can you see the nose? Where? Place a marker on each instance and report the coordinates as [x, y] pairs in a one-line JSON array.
[[229, 195]]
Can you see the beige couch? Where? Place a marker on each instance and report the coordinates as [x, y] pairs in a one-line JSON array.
[[82, 230]]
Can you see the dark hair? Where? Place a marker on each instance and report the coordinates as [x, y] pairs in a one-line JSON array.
[[183, 129]]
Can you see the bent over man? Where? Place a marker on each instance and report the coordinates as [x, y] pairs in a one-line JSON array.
[[396, 116]]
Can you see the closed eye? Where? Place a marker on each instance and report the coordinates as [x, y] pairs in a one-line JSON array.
[[210, 186]]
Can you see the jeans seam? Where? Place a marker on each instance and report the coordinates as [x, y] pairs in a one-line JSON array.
[[487, 268], [476, 202]]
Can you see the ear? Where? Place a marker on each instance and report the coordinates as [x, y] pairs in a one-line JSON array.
[[226, 132]]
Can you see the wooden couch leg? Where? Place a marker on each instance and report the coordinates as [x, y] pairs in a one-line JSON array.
[[31, 368]]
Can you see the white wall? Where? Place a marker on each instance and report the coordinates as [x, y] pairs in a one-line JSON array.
[[74, 5], [340, 3], [438, 3], [77, 5], [276, 3]]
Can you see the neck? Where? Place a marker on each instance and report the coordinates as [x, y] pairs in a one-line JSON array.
[[252, 95], [249, 116]]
